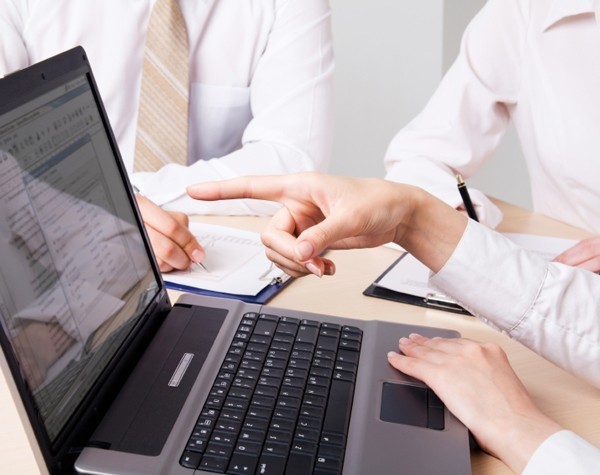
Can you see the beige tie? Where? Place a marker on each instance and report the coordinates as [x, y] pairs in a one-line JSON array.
[[162, 129]]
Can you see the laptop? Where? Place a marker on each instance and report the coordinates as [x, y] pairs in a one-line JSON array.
[[116, 379]]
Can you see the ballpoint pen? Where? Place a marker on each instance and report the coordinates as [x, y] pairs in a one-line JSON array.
[[464, 193]]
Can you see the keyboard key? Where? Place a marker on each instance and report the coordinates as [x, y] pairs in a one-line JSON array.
[[285, 412], [344, 376], [329, 438], [332, 326], [269, 391], [286, 335], [242, 464], [281, 436], [282, 346], [276, 448], [213, 464], [316, 412], [339, 406], [271, 464], [309, 423], [348, 356], [307, 334], [300, 346], [350, 345], [300, 464], [248, 447], [303, 447], [219, 450], [280, 423], [309, 435], [240, 393], [256, 423], [196, 445], [259, 412], [289, 391], [310, 323], [252, 435], [222, 437], [228, 425], [327, 343], [265, 327], [190, 459], [263, 401], [328, 464]]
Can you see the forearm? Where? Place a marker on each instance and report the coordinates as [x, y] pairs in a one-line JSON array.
[[167, 187]]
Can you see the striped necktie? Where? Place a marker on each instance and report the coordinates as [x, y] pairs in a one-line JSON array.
[[162, 129]]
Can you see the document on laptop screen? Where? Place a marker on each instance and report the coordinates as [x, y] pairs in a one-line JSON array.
[[75, 271]]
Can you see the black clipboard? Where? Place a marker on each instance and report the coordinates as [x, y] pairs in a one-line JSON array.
[[433, 301]]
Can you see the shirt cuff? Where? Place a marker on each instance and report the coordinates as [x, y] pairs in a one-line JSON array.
[[564, 452], [492, 277]]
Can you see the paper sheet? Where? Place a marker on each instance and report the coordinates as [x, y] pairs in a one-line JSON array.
[[235, 262], [411, 277]]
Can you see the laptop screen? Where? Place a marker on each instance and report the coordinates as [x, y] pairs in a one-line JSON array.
[[75, 275]]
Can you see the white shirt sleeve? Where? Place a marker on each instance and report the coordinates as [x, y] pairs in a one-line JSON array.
[[13, 54], [547, 306], [464, 120], [564, 452], [292, 114]]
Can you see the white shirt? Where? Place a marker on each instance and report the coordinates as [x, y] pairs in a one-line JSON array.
[[260, 94], [547, 306], [537, 63]]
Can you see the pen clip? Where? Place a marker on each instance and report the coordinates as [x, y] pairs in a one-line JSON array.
[[441, 301]]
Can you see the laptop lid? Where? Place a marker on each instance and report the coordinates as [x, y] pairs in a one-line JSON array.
[[80, 293]]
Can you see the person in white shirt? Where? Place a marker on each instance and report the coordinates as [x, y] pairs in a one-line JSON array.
[[545, 305], [260, 93], [534, 63]]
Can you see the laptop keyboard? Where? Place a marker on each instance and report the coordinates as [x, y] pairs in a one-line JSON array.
[[281, 402]]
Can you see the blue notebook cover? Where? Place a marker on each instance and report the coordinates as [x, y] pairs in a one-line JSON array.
[[262, 297]]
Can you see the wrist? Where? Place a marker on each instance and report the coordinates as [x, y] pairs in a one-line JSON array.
[[431, 229], [515, 440]]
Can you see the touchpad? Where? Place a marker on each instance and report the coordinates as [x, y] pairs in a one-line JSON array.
[[412, 405]]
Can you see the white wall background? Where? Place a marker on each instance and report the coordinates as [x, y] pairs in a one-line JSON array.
[[390, 56]]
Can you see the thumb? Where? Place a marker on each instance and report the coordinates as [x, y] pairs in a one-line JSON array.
[[316, 239]]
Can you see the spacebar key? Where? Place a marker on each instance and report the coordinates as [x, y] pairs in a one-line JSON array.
[[339, 406]]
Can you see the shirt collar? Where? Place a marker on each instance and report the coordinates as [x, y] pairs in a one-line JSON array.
[[560, 9]]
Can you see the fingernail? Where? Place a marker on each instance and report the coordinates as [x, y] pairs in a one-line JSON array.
[[197, 256], [329, 269], [314, 269], [392, 354], [304, 250], [414, 336], [404, 341]]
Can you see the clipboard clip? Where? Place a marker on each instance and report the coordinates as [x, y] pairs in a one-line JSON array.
[[441, 301]]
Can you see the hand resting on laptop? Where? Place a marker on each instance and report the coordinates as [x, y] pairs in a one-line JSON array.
[[477, 383]]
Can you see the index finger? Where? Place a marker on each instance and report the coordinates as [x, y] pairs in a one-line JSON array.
[[256, 187]]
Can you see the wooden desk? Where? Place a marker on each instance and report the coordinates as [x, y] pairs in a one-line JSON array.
[[572, 402]]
